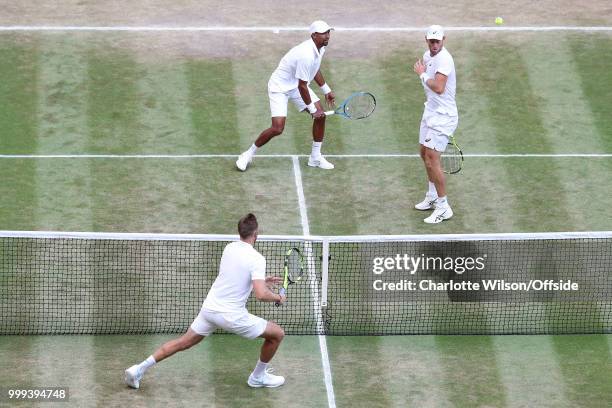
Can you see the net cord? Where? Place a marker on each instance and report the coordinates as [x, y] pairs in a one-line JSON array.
[[310, 238]]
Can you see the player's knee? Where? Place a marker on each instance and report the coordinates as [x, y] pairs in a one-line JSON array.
[[276, 334], [429, 163], [277, 130], [281, 334], [185, 342]]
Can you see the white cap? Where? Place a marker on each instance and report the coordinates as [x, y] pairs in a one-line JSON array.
[[435, 32], [319, 26]]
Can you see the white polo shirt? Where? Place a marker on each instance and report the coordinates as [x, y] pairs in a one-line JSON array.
[[443, 63], [301, 62], [240, 264]]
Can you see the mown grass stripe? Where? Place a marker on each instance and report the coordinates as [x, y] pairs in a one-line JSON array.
[[19, 62], [584, 387], [364, 380], [250, 82], [528, 370], [569, 123], [213, 105], [514, 112], [64, 188], [114, 126], [479, 373], [592, 57], [165, 104]]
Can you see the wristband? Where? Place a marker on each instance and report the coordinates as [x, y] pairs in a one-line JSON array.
[[424, 77], [325, 89], [311, 107]]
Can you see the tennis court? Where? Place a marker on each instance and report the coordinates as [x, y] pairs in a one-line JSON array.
[[137, 131]]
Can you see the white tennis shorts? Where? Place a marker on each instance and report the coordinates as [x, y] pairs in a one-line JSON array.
[[241, 323], [279, 100], [436, 128]]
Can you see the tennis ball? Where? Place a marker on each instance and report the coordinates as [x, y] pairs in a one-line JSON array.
[[499, 20]]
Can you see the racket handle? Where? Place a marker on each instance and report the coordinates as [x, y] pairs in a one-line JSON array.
[[282, 292], [328, 113]]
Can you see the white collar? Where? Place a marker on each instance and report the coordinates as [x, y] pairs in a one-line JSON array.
[[315, 47]]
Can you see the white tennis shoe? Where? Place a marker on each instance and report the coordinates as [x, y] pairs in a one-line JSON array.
[[266, 380], [429, 203], [440, 213], [320, 162], [133, 375], [243, 161]]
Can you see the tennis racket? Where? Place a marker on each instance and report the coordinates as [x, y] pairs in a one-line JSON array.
[[359, 105], [452, 157], [293, 270]]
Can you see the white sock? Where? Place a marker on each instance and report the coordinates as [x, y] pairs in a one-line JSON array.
[[316, 149], [432, 190], [150, 361], [252, 149], [442, 201], [260, 368]]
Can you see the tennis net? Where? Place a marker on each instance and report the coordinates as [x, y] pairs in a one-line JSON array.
[[100, 283]]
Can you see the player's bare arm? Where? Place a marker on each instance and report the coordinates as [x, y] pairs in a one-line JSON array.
[[330, 97], [272, 281], [263, 292], [437, 83], [303, 89]]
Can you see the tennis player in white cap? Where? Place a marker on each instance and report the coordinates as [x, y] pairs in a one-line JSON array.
[[290, 82], [440, 118]]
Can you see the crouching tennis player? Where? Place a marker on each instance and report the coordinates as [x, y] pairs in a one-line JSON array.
[[242, 269]]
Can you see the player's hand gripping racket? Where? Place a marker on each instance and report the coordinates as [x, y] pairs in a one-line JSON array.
[[359, 105], [293, 270], [452, 158]]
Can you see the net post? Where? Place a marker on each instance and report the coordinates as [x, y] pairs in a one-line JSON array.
[[324, 271]]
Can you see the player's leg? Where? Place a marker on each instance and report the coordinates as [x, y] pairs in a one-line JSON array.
[[134, 374], [171, 347], [431, 195], [273, 335], [434, 170], [276, 129], [278, 110], [261, 377], [199, 329], [316, 159], [442, 210]]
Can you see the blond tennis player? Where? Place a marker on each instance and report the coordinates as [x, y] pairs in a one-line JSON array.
[[242, 269], [290, 82], [440, 119]]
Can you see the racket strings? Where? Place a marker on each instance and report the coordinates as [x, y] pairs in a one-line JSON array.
[[295, 268], [360, 106], [452, 159]]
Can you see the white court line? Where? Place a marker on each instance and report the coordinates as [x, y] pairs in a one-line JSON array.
[[276, 29], [223, 156], [329, 386]]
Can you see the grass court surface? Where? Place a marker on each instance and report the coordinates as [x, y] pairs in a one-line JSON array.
[[519, 93]]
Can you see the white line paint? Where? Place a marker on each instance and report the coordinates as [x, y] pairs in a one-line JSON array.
[[272, 156], [276, 29], [331, 399]]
